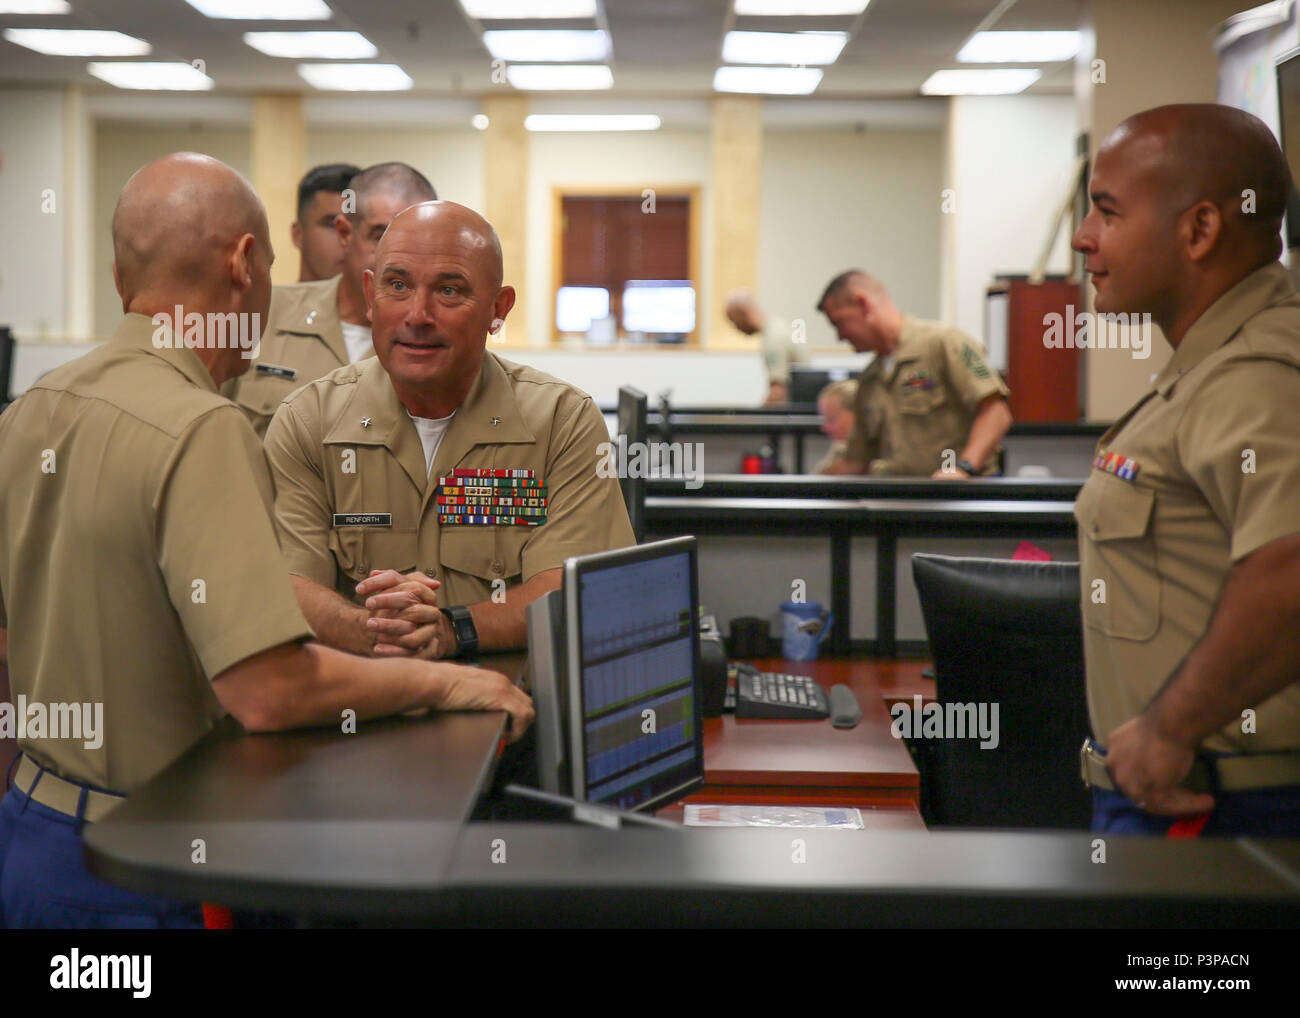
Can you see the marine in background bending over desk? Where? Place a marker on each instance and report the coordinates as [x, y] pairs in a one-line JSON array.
[[392, 550], [928, 405]]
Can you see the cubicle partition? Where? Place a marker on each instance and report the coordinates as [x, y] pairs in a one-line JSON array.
[[794, 435]]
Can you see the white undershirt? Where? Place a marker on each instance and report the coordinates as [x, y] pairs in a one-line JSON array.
[[430, 431], [357, 339]]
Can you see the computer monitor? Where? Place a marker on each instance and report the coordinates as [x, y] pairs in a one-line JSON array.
[[576, 307], [660, 306], [807, 383], [632, 424], [6, 362], [615, 666], [1288, 100]]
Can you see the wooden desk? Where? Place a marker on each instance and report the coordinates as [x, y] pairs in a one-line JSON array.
[[810, 763]]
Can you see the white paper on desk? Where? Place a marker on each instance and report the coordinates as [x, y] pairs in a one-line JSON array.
[[844, 818]]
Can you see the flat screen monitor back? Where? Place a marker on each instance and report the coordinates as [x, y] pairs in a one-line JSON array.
[[1288, 99], [633, 665], [806, 384], [632, 424]]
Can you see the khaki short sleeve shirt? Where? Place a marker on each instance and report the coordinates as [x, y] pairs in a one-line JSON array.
[[301, 342], [1201, 472], [352, 492], [137, 554], [925, 403]]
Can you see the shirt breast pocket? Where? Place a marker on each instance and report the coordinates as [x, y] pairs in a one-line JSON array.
[[263, 392], [1121, 588], [915, 400], [487, 552], [358, 550]]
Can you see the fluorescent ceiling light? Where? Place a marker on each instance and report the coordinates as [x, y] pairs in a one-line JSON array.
[[480, 121], [356, 77], [262, 10], [308, 45], [783, 47], [768, 80], [172, 76], [801, 8], [1019, 47], [563, 45], [591, 122], [35, 7], [77, 42], [559, 77], [971, 82], [519, 10]]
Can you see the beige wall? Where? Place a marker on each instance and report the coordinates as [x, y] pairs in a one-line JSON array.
[[634, 160], [451, 159], [833, 199], [120, 150]]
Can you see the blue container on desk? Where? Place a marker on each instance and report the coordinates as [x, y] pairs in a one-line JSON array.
[[803, 628]]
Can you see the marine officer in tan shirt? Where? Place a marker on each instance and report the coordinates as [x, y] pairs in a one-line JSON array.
[[141, 585], [313, 328], [1189, 525], [928, 404], [365, 461]]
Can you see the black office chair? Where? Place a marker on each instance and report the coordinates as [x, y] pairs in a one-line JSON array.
[[1010, 633]]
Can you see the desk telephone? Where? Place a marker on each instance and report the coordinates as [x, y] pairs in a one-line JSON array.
[[740, 687]]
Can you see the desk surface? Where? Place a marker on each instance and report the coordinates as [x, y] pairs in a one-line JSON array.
[[304, 814], [809, 762]]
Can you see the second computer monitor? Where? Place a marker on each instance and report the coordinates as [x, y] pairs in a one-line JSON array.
[[633, 674]]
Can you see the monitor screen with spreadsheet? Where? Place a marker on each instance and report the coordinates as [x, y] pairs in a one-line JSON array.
[[633, 674]]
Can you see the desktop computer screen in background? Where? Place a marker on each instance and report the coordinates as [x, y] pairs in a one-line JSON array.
[[635, 725]]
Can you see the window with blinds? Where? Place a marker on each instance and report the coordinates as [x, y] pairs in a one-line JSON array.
[[630, 257]]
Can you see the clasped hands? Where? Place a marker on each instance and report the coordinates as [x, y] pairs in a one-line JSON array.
[[405, 620]]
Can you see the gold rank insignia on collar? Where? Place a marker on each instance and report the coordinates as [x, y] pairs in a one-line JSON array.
[[365, 422], [311, 316], [1123, 467], [496, 421]]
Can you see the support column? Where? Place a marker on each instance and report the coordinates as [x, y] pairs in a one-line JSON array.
[[278, 161], [505, 200], [736, 173]]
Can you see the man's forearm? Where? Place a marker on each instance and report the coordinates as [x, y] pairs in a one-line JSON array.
[[987, 431], [504, 625], [1250, 651], [309, 684], [335, 620]]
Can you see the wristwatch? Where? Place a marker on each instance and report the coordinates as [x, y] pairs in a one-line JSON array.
[[967, 467], [462, 625]]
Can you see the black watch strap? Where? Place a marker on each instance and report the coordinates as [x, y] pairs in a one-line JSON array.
[[462, 624], [967, 467]]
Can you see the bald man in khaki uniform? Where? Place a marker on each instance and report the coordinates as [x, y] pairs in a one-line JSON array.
[[313, 328], [140, 579], [928, 405], [365, 459], [1189, 525]]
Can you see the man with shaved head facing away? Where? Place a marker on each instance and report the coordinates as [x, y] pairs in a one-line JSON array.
[[1189, 524], [928, 405], [425, 497], [140, 577], [316, 327]]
